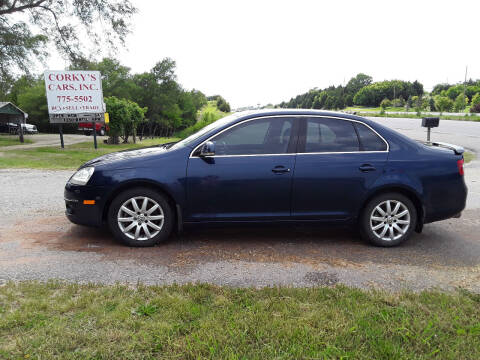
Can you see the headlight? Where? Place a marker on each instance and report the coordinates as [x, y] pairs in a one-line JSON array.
[[82, 176]]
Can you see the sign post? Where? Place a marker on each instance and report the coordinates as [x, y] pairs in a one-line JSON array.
[[94, 127], [60, 130], [74, 97]]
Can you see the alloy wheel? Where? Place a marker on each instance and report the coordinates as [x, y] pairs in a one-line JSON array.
[[140, 218], [390, 220]]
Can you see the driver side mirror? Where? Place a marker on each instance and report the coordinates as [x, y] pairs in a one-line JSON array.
[[207, 149]]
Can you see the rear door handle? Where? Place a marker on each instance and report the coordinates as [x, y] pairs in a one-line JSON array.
[[280, 169], [367, 168]]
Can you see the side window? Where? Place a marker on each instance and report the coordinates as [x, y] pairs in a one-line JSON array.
[[263, 136], [330, 135], [369, 140]]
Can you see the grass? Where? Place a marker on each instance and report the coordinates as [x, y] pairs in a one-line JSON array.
[[69, 158], [468, 156], [8, 140], [72, 321]]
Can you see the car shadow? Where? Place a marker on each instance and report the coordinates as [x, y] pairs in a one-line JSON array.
[[453, 242]]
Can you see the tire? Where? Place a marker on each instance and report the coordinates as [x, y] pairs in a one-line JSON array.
[[382, 229], [140, 228]]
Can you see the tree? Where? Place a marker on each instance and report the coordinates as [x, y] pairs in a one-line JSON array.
[[454, 91], [223, 105], [33, 101], [475, 106], [125, 115], [61, 23], [460, 103], [358, 82], [385, 103], [443, 103], [373, 94]]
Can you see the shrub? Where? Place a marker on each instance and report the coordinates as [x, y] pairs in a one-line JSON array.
[[443, 103], [475, 108], [385, 103], [460, 102]]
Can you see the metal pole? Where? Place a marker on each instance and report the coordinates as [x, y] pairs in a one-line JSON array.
[[20, 128], [60, 129], [94, 135], [428, 134]]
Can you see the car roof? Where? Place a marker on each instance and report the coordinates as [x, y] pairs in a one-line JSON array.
[[241, 115]]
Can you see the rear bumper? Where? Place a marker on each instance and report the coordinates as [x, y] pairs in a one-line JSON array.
[[78, 212]]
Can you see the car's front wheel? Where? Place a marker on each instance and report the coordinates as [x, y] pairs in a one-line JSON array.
[[388, 219], [140, 217]]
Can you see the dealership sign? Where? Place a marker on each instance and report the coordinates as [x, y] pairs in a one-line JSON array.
[[74, 96]]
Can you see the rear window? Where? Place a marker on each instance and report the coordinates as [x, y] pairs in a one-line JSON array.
[[370, 141], [330, 135]]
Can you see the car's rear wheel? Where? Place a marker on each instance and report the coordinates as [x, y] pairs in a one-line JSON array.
[[140, 217], [388, 219]]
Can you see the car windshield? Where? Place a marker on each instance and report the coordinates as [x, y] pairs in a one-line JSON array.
[[215, 125]]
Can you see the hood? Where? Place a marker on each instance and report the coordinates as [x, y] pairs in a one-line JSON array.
[[126, 156]]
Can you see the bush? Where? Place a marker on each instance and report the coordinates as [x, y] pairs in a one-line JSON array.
[[460, 103], [385, 103], [443, 103], [476, 99], [399, 102], [475, 108]]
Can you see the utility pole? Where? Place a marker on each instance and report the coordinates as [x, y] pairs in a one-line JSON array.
[[465, 83]]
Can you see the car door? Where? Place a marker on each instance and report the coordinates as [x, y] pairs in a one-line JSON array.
[[250, 175], [338, 160]]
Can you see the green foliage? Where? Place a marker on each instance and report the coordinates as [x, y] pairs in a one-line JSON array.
[[222, 104], [373, 94], [385, 103], [454, 91], [437, 89], [125, 115], [356, 83], [398, 102], [476, 99], [33, 101], [333, 97], [460, 103], [443, 103], [207, 115]]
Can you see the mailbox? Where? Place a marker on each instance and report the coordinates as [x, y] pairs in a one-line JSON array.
[[430, 122]]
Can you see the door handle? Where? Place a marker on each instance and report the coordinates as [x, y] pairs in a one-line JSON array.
[[367, 168], [280, 169]]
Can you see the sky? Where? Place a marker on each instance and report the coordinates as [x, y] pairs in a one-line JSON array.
[[260, 52]]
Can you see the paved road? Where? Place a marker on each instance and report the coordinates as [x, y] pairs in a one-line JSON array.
[[37, 242], [41, 140]]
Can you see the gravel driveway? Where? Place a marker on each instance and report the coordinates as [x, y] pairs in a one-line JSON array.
[[37, 242]]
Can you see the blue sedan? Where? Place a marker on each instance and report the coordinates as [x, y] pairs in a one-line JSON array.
[[273, 166]]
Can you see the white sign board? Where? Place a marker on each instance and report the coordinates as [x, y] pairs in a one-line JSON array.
[[74, 92]]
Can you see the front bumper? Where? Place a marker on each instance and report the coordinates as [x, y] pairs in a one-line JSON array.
[[78, 212]]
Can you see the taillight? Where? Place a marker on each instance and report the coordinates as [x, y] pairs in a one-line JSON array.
[[460, 166]]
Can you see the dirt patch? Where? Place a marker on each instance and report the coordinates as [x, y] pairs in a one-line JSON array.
[[442, 244]]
